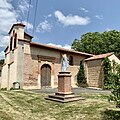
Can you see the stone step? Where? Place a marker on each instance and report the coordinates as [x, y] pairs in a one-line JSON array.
[[64, 94], [66, 100], [63, 97]]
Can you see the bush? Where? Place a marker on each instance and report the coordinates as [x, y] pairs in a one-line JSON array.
[[4, 89], [115, 87], [107, 68], [81, 80]]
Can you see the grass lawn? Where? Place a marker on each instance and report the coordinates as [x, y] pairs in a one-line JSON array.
[[23, 105]]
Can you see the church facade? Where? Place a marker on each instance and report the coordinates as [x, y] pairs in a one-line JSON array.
[[35, 66]]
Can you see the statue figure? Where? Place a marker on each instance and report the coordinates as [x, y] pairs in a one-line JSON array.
[[65, 63]]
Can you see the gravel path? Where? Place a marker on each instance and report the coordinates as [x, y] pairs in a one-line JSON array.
[[75, 90]]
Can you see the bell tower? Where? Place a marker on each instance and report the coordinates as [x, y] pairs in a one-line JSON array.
[[15, 33]]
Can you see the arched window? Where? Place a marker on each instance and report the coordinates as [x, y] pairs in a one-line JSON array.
[[70, 60], [13, 32], [11, 43], [15, 40]]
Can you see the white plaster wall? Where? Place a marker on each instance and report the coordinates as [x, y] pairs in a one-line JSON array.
[[20, 61], [113, 57], [4, 82], [12, 76]]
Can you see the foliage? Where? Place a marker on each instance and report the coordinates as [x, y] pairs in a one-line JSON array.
[[116, 87], [98, 43], [112, 80], [81, 80], [107, 68], [1, 61], [4, 89]]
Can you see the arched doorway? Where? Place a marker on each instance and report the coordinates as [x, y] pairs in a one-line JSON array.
[[45, 76]]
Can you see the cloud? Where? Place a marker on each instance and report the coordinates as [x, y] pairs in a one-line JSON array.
[[4, 4], [8, 16], [44, 27], [28, 25], [109, 29], [83, 9], [23, 7], [66, 46], [2, 55], [100, 17], [4, 41], [71, 19], [50, 15]]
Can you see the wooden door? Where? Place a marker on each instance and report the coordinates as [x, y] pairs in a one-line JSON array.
[[45, 76]]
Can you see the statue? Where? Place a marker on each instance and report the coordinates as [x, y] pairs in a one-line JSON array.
[[65, 63]]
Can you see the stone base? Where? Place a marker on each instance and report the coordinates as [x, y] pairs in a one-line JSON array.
[[64, 82], [64, 93], [64, 98]]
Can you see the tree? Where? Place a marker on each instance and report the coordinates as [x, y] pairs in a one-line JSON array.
[[1, 61], [98, 43], [107, 68], [81, 80], [115, 96]]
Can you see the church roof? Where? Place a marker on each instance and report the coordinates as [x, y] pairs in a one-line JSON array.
[[28, 35], [59, 49], [20, 24], [101, 56]]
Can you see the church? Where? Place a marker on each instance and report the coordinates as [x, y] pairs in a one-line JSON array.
[[35, 66]]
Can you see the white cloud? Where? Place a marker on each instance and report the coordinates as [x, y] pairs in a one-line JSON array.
[[2, 55], [66, 46], [100, 17], [8, 16], [44, 27], [28, 25], [50, 15], [71, 19], [109, 29], [4, 4], [4, 41], [83, 9], [23, 7]]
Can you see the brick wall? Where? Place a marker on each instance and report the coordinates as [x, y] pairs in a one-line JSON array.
[[33, 63], [94, 73], [30, 72]]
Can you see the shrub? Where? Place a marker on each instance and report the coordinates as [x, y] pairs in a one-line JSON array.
[[81, 80], [4, 89], [107, 68], [115, 87]]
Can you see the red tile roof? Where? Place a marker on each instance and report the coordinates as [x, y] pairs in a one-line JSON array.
[[59, 49], [101, 56]]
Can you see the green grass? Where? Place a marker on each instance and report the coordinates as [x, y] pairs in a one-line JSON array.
[[23, 105]]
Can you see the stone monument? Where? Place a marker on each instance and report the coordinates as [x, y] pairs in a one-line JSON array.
[[64, 93]]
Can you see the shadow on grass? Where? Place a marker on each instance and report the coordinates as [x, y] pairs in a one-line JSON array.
[[111, 115]]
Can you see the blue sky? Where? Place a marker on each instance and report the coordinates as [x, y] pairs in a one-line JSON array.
[[59, 22]]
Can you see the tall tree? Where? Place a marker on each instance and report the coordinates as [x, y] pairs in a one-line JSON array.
[[98, 43]]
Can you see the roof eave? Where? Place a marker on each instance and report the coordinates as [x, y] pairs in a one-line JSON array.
[[60, 49], [21, 24]]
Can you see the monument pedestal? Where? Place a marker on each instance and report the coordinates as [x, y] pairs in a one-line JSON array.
[[64, 93]]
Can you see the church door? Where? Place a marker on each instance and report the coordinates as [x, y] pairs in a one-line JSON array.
[[45, 76]]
